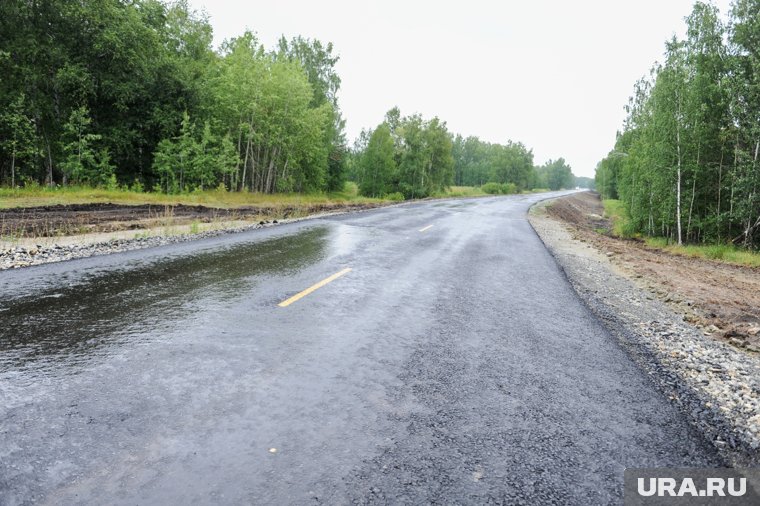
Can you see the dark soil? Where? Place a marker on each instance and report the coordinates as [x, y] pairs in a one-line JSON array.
[[49, 221], [724, 299]]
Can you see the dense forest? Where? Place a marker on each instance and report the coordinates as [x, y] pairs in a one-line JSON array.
[[686, 164], [414, 157], [118, 93], [104, 91]]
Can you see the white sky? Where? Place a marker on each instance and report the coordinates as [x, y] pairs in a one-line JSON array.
[[554, 75]]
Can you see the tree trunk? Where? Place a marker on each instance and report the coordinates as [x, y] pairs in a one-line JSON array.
[[749, 232], [13, 169], [693, 193], [720, 183], [245, 163], [678, 187], [691, 206], [49, 178], [270, 172]]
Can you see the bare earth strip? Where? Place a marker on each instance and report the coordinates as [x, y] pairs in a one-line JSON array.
[[722, 299], [709, 372], [57, 220], [38, 235]]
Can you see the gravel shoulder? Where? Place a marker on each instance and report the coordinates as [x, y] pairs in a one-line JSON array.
[[112, 230], [714, 382]]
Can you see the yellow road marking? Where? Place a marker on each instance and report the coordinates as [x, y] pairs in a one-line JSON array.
[[301, 295], [426, 228]]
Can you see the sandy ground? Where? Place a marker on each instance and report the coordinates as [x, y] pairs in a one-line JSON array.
[[721, 299]]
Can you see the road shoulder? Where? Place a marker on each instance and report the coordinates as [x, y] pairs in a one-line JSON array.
[[715, 385]]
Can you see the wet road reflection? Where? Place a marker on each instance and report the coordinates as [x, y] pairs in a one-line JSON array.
[[74, 317]]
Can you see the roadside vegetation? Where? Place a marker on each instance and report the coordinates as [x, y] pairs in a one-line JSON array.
[[31, 196], [127, 101], [622, 226], [686, 167], [35, 196], [418, 158]]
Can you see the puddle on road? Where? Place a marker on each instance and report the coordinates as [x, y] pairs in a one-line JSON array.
[[80, 314]]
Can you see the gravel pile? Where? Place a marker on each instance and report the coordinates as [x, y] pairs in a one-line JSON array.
[[24, 256], [716, 385]]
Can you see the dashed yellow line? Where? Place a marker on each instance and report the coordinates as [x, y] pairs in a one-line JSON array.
[[301, 295], [426, 228]]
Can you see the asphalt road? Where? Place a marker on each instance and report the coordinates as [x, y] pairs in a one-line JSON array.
[[453, 363]]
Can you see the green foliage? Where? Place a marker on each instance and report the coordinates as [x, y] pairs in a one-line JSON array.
[[38, 195], [193, 160], [686, 166], [112, 183], [726, 253], [556, 175], [405, 155], [396, 197], [286, 138], [585, 182], [82, 163], [477, 162], [95, 78], [100, 91], [377, 166], [461, 191], [137, 186], [621, 224], [491, 188], [17, 139], [499, 188]]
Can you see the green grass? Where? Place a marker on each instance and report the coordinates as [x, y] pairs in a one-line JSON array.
[[615, 211], [461, 191], [726, 253], [43, 196]]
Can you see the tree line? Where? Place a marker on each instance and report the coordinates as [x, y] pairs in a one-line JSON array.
[[414, 157], [97, 91], [686, 164], [115, 93]]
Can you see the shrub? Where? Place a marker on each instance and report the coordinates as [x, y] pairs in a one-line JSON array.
[[395, 196], [111, 183], [492, 188], [508, 188], [499, 189]]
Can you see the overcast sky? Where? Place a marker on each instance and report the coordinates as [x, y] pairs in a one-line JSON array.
[[554, 75]]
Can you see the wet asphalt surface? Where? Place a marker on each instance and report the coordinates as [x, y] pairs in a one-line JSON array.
[[454, 365]]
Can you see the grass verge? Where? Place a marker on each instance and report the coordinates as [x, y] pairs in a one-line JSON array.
[[726, 253], [44, 196], [618, 216], [461, 191]]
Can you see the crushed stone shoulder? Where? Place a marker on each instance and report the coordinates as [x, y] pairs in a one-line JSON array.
[[714, 384]]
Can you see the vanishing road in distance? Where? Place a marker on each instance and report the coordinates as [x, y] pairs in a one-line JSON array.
[[438, 354]]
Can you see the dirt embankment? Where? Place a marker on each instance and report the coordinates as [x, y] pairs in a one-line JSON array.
[[721, 299], [663, 310], [51, 221]]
